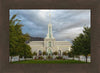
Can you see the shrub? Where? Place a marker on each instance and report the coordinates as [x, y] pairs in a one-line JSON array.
[[64, 53], [44, 53], [49, 57], [40, 58], [55, 53], [59, 57], [34, 53]]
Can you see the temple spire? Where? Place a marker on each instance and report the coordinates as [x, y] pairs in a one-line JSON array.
[[50, 34]]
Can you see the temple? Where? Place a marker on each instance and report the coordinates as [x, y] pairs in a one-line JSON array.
[[50, 44]]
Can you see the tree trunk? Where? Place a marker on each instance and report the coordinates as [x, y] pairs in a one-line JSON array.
[[19, 58], [86, 58], [79, 58], [11, 58], [73, 57]]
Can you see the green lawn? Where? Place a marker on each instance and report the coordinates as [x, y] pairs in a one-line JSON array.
[[48, 62]]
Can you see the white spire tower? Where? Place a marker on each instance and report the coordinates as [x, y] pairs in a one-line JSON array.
[[50, 34]]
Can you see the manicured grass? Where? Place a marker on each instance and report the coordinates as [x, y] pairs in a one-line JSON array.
[[48, 62]]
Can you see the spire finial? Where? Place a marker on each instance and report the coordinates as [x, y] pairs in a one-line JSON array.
[[49, 17]]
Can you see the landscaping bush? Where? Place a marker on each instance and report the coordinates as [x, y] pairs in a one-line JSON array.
[[34, 54], [44, 53], [40, 58], [59, 57], [55, 53], [49, 57]]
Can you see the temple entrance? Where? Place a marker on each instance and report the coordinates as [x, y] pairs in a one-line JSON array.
[[49, 52], [40, 52], [59, 52]]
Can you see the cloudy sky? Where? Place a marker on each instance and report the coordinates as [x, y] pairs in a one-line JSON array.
[[67, 24]]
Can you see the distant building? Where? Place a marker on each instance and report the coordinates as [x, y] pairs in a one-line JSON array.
[[50, 44]]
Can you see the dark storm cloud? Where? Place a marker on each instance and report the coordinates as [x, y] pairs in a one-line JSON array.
[[67, 24]]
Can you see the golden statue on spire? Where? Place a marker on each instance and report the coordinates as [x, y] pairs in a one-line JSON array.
[[49, 18]]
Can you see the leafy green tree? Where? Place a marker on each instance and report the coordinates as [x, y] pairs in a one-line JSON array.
[[55, 53], [64, 53], [34, 53], [17, 39], [71, 53], [44, 53], [86, 42], [81, 44]]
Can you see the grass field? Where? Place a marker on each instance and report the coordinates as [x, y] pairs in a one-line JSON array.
[[48, 62]]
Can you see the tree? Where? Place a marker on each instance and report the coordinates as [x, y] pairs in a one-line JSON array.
[[86, 42], [55, 53], [17, 39], [44, 53], [34, 53], [81, 44], [64, 53], [71, 53]]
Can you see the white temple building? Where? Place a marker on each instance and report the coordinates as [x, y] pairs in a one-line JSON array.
[[49, 44]]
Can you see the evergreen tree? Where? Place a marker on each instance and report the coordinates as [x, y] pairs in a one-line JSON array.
[[81, 44]]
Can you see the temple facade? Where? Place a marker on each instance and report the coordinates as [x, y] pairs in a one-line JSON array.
[[50, 44]]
